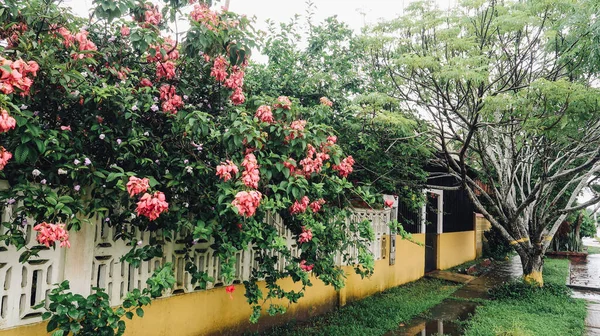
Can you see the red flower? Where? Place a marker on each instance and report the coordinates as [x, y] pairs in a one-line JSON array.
[[264, 114], [250, 176], [345, 167], [145, 82], [388, 203], [49, 233], [305, 267]]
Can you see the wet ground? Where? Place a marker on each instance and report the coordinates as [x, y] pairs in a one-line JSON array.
[[446, 318], [584, 277]]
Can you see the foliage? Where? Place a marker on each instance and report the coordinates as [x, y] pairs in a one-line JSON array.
[[93, 315], [390, 146], [147, 132], [376, 314], [507, 93], [540, 311], [495, 246]]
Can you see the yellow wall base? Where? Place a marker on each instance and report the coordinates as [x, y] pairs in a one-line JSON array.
[[455, 248]]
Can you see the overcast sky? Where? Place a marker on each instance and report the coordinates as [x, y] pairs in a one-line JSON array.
[[348, 11]]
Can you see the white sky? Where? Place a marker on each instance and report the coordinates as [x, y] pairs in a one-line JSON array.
[[348, 11]]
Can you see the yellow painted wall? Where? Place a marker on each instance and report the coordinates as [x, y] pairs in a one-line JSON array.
[[455, 248], [213, 312]]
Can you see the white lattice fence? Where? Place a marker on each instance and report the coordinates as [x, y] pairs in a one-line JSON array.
[[94, 261]]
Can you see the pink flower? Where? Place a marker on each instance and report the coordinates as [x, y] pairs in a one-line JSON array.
[[6, 121], [284, 103], [325, 101], [219, 69], [205, 16], [236, 79], [291, 165], [264, 114], [49, 233], [345, 167], [313, 163], [246, 202], [137, 185], [237, 97], [225, 169], [165, 70], [305, 267], [388, 203], [5, 156], [299, 207], [171, 101], [250, 176], [298, 125], [152, 206], [305, 236], [152, 15], [125, 30], [65, 128], [145, 82], [332, 139], [316, 205]]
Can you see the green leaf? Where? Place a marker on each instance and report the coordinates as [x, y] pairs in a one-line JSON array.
[[21, 153], [139, 312]]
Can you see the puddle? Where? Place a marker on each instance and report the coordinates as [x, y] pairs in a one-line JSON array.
[[443, 319], [446, 318]]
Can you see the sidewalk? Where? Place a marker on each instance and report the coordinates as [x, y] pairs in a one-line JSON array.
[[585, 276]]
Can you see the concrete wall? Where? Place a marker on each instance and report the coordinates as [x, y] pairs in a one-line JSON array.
[[213, 312], [455, 248]]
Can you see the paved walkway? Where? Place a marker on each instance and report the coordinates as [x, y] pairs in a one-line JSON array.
[[585, 277]]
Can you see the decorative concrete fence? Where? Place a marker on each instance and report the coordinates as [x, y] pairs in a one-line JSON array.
[[94, 261]]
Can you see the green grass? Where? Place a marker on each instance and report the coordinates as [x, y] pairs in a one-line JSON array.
[[543, 313], [376, 314], [593, 249]]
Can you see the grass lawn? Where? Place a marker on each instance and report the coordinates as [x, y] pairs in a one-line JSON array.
[[541, 313], [593, 249], [376, 314]]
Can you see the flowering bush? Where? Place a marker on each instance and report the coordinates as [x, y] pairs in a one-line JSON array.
[[117, 119]]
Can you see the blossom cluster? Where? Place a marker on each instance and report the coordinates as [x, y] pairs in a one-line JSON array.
[[152, 15], [137, 185], [264, 114], [313, 163], [15, 75], [325, 101], [225, 169], [171, 101], [250, 176], [304, 203], [84, 44], [152, 206], [247, 202], [345, 166], [234, 80], [305, 236], [149, 205], [48, 233]]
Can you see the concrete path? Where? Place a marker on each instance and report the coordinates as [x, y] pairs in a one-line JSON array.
[[585, 277]]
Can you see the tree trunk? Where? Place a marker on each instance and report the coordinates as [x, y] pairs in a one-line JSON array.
[[533, 265]]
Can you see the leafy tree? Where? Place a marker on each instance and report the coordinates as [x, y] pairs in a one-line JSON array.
[[313, 61], [507, 89]]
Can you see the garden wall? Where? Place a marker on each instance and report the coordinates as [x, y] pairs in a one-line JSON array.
[[455, 248], [214, 312]]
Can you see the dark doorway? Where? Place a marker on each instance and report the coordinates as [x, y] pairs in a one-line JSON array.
[[431, 235]]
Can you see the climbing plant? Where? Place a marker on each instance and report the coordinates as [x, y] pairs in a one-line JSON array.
[[121, 116]]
